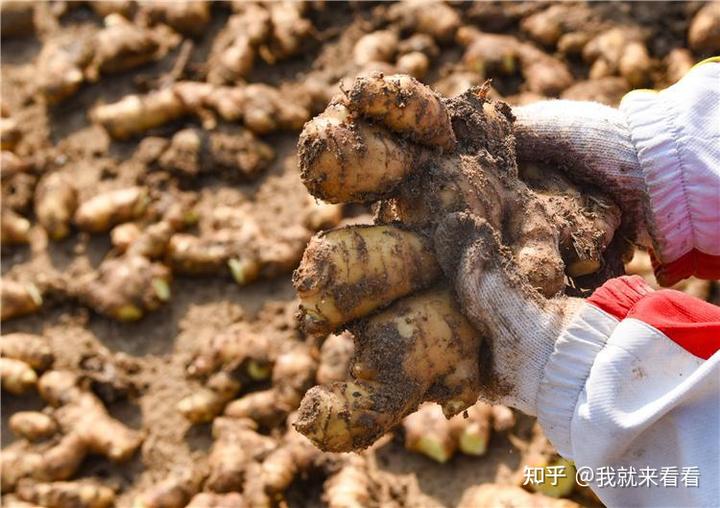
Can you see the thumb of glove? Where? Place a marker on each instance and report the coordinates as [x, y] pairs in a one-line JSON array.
[[519, 324], [591, 142]]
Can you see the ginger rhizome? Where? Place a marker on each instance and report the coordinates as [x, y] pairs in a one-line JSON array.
[[509, 496], [78, 424], [231, 151], [236, 241], [32, 425], [379, 264], [15, 228], [240, 358], [55, 204], [107, 209], [212, 500], [23, 355], [293, 373], [19, 298], [347, 480], [704, 32], [428, 432], [236, 444], [66, 62], [81, 494], [262, 108], [175, 491], [395, 141], [384, 50], [271, 31], [438, 348], [490, 54], [125, 288], [233, 358], [18, 181], [335, 358]]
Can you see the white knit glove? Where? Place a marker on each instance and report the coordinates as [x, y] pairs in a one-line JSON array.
[[591, 142], [657, 157]]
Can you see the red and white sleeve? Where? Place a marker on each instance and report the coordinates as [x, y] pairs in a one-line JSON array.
[[634, 383]]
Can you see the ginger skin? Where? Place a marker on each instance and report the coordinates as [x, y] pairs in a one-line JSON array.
[[125, 288], [22, 355], [108, 209], [509, 496], [380, 262], [64, 494], [55, 204], [438, 348], [175, 491], [84, 427], [261, 107], [236, 444], [335, 356], [428, 432], [19, 299]]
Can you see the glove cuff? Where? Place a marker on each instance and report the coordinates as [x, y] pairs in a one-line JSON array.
[[563, 379], [562, 383]]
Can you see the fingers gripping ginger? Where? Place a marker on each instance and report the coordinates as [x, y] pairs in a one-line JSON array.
[[424, 157]]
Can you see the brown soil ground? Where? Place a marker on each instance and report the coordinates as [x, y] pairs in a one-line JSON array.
[[161, 344]]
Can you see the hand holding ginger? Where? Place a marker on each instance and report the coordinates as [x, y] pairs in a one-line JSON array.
[[442, 171]]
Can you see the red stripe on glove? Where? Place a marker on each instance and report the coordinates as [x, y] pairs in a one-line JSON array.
[[691, 323], [695, 262]]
